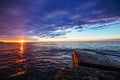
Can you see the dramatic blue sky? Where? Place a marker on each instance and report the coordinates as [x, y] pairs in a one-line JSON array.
[[42, 20]]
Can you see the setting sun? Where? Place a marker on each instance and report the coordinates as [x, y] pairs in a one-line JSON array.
[[21, 41]]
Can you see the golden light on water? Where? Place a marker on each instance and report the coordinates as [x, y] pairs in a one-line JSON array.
[[21, 49], [21, 61]]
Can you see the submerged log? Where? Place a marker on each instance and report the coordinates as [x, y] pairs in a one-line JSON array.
[[81, 58]]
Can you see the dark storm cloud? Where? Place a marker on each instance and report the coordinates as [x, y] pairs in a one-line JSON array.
[[45, 17]]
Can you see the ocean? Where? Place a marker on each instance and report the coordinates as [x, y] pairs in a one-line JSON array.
[[41, 61]]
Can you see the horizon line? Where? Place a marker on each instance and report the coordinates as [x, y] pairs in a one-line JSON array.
[[27, 41]]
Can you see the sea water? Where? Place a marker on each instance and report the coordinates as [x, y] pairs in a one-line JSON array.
[[41, 61]]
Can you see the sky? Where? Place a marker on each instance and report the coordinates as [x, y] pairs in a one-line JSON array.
[[59, 20]]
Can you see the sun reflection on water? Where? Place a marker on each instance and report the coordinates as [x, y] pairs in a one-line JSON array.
[[21, 50], [20, 63]]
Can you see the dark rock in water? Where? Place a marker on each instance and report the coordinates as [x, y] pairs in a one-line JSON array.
[[86, 73], [2, 42], [82, 58]]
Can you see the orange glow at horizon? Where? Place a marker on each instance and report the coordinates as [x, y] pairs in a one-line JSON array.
[[56, 40], [16, 40]]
